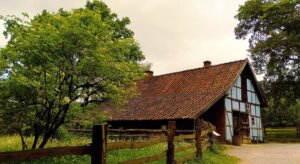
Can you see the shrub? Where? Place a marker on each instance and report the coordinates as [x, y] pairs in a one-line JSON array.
[[62, 134]]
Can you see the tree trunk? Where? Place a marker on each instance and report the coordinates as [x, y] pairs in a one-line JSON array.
[[23, 140], [45, 140], [51, 130], [36, 137]]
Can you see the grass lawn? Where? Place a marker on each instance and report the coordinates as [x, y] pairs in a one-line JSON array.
[[215, 156], [13, 142], [284, 135]]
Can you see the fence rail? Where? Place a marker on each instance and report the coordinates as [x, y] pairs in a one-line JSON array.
[[201, 140], [47, 152], [126, 131], [134, 144]]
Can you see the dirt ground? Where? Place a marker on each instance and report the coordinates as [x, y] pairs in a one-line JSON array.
[[270, 153]]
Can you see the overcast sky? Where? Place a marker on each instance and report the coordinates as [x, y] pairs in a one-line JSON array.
[[174, 34]]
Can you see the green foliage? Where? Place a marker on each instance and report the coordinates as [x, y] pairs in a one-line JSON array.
[[273, 30], [83, 56], [62, 134], [85, 119], [280, 113]]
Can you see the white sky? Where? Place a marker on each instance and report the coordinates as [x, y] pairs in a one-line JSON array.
[[174, 34]]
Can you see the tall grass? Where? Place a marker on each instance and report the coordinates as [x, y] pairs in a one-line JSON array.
[[13, 142]]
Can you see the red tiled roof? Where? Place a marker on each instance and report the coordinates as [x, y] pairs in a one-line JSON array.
[[181, 95]]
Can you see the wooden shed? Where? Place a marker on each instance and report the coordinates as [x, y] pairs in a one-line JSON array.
[[227, 95]]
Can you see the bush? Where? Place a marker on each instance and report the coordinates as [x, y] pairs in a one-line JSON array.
[[85, 118], [62, 134]]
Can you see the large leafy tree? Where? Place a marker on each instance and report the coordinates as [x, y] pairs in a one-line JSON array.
[[280, 111], [273, 30], [87, 55]]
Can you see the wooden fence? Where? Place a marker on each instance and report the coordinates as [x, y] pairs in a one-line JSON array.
[[201, 140]]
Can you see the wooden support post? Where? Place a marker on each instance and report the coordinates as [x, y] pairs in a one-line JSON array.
[[99, 143], [297, 127], [171, 134], [198, 138], [213, 139]]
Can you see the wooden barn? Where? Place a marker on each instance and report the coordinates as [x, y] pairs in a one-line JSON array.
[[227, 95]]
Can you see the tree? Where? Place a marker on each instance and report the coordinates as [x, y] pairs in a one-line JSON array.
[[273, 27], [280, 114], [85, 56]]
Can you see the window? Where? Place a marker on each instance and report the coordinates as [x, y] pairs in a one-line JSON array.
[[252, 121], [237, 89], [239, 94], [233, 92], [253, 97], [242, 107], [235, 105], [257, 111], [228, 104], [251, 94], [253, 110]]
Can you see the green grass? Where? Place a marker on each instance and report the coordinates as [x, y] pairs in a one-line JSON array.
[[86, 159], [283, 135], [118, 156], [13, 142], [217, 155], [178, 155]]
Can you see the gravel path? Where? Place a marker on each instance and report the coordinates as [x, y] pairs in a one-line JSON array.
[[273, 153]]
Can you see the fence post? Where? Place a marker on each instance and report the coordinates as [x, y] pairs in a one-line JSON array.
[[171, 134], [99, 143], [297, 127], [198, 138]]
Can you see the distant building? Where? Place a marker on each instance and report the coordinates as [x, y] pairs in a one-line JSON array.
[[227, 95]]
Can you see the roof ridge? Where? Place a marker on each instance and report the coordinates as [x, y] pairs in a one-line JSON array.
[[199, 68]]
